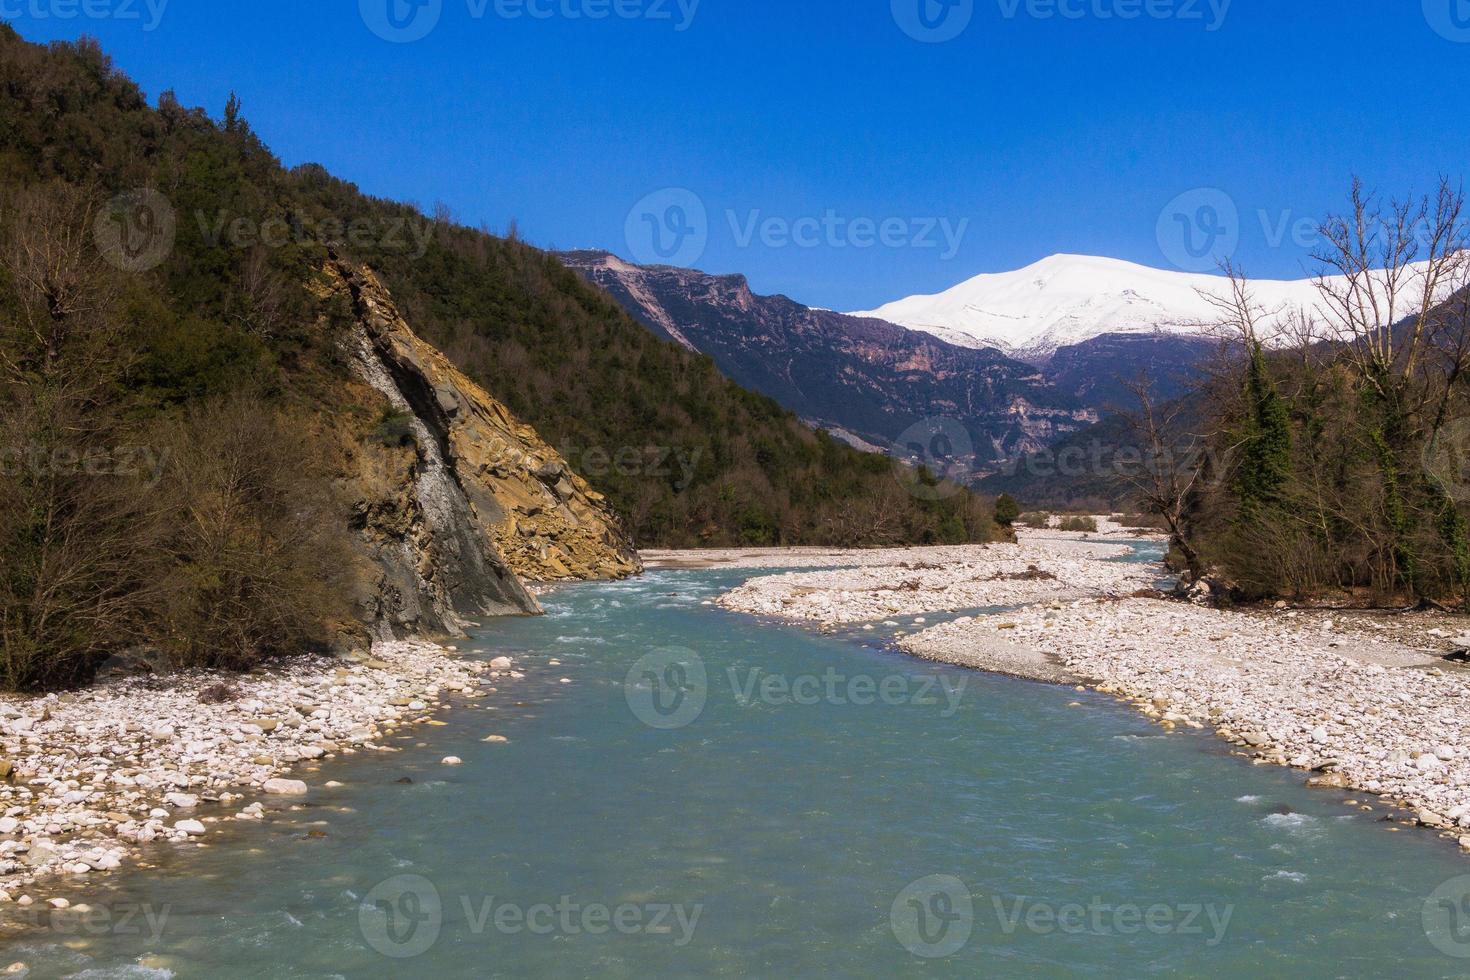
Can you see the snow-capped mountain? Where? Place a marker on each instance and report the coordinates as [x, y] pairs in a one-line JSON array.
[[1068, 299]]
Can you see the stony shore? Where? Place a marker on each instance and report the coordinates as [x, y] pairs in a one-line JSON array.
[[874, 585], [1362, 701], [1341, 699], [90, 778]]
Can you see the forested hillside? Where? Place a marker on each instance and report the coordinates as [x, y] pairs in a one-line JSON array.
[[686, 455], [179, 412]]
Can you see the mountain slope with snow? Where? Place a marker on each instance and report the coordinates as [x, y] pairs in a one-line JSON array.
[[1068, 299]]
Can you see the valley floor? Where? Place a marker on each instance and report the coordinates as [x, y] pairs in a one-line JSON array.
[[1362, 700]]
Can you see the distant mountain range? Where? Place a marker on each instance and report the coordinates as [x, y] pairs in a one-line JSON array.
[[1065, 300], [873, 382]]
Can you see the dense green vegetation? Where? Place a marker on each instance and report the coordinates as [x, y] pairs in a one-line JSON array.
[[157, 274], [1006, 510], [1335, 462]]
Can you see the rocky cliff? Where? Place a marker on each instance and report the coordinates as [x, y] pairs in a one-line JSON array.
[[455, 502]]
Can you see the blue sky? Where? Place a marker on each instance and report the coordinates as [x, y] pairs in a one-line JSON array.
[[835, 157]]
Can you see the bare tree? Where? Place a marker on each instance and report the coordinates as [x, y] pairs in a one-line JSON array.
[[62, 283], [1385, 267], [262, 295], [1173, 467], [1241, 320]]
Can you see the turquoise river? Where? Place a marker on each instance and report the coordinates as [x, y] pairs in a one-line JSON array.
[[712, 796]]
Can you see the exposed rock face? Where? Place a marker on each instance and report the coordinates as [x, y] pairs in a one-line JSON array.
[[455, 500], [865, 379]]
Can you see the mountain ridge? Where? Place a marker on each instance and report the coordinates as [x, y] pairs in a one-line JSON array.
[[860, 376]]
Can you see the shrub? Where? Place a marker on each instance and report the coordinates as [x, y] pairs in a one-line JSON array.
[[221, 693], [254, 547], [394, 428]]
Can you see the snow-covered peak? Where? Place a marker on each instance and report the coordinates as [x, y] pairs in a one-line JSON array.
[[1067, 299]]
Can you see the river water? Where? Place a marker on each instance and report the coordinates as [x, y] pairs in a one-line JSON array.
[[713, 796]]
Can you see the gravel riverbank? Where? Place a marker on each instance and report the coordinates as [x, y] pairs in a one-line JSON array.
[[90, 778], [1362, 705], [874, 585], [1363, 701]]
